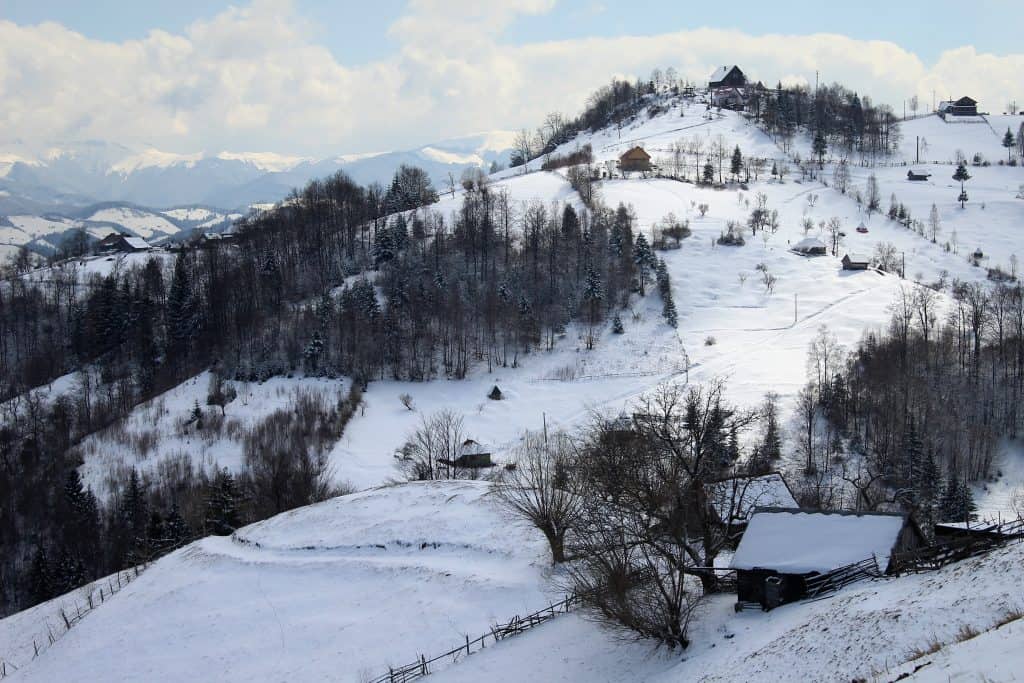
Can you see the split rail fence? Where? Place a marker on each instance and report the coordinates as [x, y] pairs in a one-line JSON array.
[[66, 617], [422, 666]]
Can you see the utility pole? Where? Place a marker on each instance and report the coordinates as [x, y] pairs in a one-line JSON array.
[[917, 154], [794, 307]]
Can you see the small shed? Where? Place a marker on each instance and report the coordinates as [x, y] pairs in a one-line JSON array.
[[636, 159], [495, 394], [854, 261], [117, 242], [918, 175], [783, 548], [472, 454], [810, 246]]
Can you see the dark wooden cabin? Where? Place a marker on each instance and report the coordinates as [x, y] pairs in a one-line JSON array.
[[915, 175], [636, 159], [965, 106], [729, 76], [782, 549], [853, 261]]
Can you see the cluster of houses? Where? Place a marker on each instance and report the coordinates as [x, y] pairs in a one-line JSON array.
[[122, 243]]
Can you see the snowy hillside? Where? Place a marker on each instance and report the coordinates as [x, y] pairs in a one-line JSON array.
[[334, 591], [346, 588]]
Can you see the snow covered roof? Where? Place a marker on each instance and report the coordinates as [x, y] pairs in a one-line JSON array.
[[471, 447], [799, 542], [721, 72], [742, 494], [809, 243], [136, 243], [858, 258]]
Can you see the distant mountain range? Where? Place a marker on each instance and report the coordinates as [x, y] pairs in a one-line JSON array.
[[79, 174], [103, 186]]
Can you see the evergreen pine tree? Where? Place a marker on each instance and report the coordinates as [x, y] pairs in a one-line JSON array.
[[1008, 143], [643, 257], [176, 528], [182, 316], [736, 163], [617, 325], [668, 311], [223, 505], [40, 583], [820, 147], [708, 176]]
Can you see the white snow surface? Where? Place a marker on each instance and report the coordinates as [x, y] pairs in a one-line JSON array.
[[142, 223], [336, 591], [804, 542]]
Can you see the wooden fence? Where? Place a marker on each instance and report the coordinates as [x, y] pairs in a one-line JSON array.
[[974, 541], [98, 593], [422, 666], [822, 585]]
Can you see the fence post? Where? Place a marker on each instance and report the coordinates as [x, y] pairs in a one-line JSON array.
[[467, 643], [423, 665]]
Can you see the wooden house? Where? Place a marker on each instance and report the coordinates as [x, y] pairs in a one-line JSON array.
[[729, 76], [965, 106], [810, 246], [784, 549], [636, 159], [854, 261], [472, 454], [918, 176], [125, 244]]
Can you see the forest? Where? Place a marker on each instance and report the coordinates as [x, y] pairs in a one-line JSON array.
[[339, 280]]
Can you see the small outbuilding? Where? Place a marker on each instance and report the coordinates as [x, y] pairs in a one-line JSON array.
[[472, 454], [495, 394], [918, 175], [854, 261], [783, 549], [810, 246], [636, 159]]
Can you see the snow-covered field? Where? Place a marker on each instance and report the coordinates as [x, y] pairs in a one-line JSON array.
[[317, 599], [335, 591], [143, 223], [346, 588]]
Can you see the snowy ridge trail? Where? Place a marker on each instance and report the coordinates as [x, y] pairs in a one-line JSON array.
[[328, 613]]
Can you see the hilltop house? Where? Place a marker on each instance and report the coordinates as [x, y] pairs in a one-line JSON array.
[[729, 76], [125, 244], [636, 159], [784, 548], [472, 454], [965, 106]]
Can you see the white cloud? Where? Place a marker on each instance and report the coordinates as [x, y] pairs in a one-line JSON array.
[[255, 77]]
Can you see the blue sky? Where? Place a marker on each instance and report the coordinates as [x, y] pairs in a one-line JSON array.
[[313, 77], [356, 32]]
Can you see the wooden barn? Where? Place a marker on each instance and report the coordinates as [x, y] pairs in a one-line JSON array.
[[918, 176], [636, 159], [854, 261], [785, 551], [126, 244], [810, 246], [965, 106], [472, 454], [729, 76]]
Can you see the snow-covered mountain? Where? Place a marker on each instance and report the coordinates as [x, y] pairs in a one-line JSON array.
[[35, 180]]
